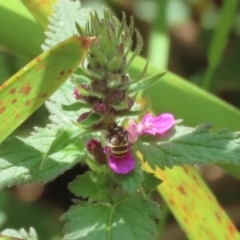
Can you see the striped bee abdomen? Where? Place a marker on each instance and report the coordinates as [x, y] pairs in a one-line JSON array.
[[117, 140]]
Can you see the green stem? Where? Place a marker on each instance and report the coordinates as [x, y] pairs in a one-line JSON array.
[[158, 39], [219, 40]]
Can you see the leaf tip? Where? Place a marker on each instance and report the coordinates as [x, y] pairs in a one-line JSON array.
[[85, 41]]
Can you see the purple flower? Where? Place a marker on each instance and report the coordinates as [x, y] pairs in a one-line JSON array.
[[120, 165], [151, 125]]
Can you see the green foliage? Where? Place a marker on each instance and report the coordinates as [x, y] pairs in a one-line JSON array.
[[117, 213], [59, 28], [130, 218], [185, 145], [144, 83], [150, 182], [25, 160], [130, 182], [92, 186], [11, 234]]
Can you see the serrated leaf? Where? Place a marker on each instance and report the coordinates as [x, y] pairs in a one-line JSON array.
[[91, 185], [131, 181], [150, 182], [143, 84], [27, 90], [22, 234], [62, 22], [132, 219], [63, 119], [65, 138], [192, 146], [24, 161]]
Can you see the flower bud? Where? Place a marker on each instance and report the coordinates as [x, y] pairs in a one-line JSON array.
[[83, 116], [76, 94], [115, 96], [99, 86], [100, 107], [95, 148]]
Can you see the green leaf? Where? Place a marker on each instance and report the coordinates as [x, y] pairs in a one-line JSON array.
[[63, 96], [90, 120], [131, 181], [24, 161], [62, 22], [143, 84], [219, 40], [192, 146], [20, 23], [11, 234], [191, 201], [75, 106], [27, 90], [131, 219], [65, 138], [91, 185], [150, 182]]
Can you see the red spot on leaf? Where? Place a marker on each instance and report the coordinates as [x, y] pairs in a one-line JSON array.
[[196, 181], [218, 217], [40, 67], [209, 197], [185, 170], [43, 95], [171, 201], [2, 109], [25, 89], [27, 103], [185, 220], [62, 72], [3, 86], [14, 100], [38, 59], [184, 207], [70, 71], [231, 228], [13, 90], [17, 116], [181, 190]]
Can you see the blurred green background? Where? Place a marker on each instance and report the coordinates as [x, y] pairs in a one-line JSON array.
[[198, 40]]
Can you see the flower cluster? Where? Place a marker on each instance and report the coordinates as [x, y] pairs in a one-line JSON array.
[[149, 125], [105, 82]]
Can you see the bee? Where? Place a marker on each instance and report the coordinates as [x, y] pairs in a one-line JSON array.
[[117, 140]]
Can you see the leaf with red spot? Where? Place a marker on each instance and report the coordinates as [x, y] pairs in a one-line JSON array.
[[28, 89], [194, 205]]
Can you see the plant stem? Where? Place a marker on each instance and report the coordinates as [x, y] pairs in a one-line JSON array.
[[219, 40], [158, 41]]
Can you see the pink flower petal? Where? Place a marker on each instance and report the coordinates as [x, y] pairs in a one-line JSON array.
[[122, 165], [157, 125], [133, 132]]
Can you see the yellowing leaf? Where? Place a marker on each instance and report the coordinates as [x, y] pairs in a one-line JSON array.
[[194, 205], [27, 90]]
